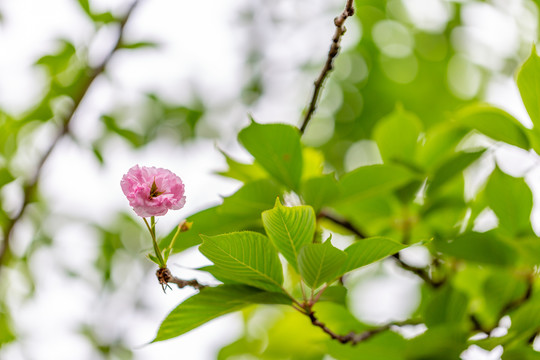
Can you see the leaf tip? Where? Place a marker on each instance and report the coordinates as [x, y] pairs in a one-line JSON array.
[[204, 237], [252, 119]]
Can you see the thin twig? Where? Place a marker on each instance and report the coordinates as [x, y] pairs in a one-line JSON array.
[[353, 337], [343, 223], [512, 305], [30, 187], [165, 277], [329, 65], [422, 273]]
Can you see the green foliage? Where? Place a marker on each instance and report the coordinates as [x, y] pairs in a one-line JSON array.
[[6, 333], [250, 200], [320, 263], [529, 86], [368, 251], [290, 229], [369, 181], [247, 257], [277, 149], [483, 248], [451, 168], [320, 191], [514, 208], [416, 195], [447, 306], [437, 343], [395, 90], [388, 346], [212, 303], [397, 136], [242, 172], [495, 123]]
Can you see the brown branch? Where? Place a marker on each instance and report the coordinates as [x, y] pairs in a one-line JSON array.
[[165, 278], [422, 273], [512, 305], [518, 302], [31, 185], [354, 338], [343, 223], [328, 66]]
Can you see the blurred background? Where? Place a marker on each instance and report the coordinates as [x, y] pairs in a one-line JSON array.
[[89, 88]]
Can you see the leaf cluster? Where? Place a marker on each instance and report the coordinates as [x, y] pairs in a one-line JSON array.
[[416, 197]]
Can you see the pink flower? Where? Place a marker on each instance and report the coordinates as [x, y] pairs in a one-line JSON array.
[[153, 191]]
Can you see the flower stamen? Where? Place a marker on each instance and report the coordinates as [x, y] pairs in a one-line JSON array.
[[154, 190]]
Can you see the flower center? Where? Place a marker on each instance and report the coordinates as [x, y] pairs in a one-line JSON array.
[[154, 190]]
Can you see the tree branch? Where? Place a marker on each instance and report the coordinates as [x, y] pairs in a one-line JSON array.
[[355, 338], [165, 278], [512, 305], [422, 273], [328, 66], [343, 223], [31, 185]]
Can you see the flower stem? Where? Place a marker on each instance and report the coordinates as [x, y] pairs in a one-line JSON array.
[[178, 230], [152, 229]]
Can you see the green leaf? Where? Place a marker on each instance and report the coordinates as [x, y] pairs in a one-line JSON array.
[[369, 250], [437, 343], [336, 294], [154, 259], [5, 176], [320, 191], [140, 45], [211, 303], [246, 345], [484, 248], [289, 228], [528, 82], [219, 274], [522, 353], [251, 199], [451, 168], [397, 136], [320, 263], [529, 250], [288, 330], [511, 200], [527, 317], [277, 148], [388, 345], [58, 62], [104, 18], [495, 123], [246, 256], [313, 163], [534, 139], [243, 172], [368, 181], [85, 6], [6, 333], [131, 136], [447, 306], [210, 221], [369, 215], [500, 289], [441, 141]]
